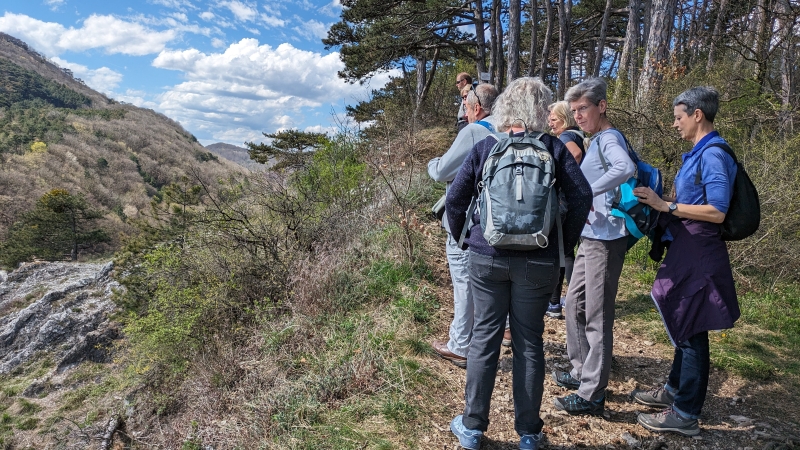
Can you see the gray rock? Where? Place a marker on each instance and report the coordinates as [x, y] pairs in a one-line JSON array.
[[58, 308], [630, 440]]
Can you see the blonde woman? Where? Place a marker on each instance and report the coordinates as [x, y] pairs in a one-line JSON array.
[[563, 125]]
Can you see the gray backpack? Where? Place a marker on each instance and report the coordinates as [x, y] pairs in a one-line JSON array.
[[517, 201]]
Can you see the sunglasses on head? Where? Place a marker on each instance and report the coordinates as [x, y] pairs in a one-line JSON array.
[[475, 93]]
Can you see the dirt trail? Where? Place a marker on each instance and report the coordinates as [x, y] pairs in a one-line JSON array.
[[738, 414]]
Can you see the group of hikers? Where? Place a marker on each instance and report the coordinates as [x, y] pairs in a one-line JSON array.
[[502, 294]]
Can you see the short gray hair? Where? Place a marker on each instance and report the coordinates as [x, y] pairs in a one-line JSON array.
[[704, 98], [485, 94], [524, 100], [594, 89]]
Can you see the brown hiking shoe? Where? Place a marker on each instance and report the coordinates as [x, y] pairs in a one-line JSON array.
[[441, 349]]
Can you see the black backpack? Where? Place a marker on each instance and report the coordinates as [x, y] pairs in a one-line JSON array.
[[744, 212]]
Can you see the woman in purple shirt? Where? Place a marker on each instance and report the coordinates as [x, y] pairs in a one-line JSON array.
[[693, 290]]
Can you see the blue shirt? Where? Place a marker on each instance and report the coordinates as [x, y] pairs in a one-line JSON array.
[[569, 136], [718, 173]]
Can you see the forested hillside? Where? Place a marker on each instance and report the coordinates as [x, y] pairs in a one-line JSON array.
[[57, 134]]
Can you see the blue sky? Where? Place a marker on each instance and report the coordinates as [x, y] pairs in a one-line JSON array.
[[227, 70]]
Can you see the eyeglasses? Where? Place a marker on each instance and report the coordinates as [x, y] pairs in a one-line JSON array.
[[582, 110], [475, 93], [460, 81]]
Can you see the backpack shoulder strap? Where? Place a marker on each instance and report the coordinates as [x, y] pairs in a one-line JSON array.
[[578, 133], [486, 125], [698, 177], [467, 222]]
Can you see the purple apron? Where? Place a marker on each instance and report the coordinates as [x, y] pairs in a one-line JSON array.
[[694, 290]]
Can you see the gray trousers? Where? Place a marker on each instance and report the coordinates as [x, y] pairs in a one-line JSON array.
[[461, 327], [589, 312], [520, 287]]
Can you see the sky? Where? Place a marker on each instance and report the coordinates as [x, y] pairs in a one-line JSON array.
[[227, 70]]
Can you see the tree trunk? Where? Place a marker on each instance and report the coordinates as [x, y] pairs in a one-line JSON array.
[[680, 32], [480, 38], [601, 41], [498, 43], [563, 37], [568, 51], [751, 36], [514, 24], [631, 41], [74, 251], [548, 36], [761, 47], [647, 15], [422, 72], [656, 52], [785, 121], [424, 80], [611, 66], [718, 24], [492, 46], [693, 42], [534, 36]]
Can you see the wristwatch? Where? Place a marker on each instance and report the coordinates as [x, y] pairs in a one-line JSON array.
[[672, 207]]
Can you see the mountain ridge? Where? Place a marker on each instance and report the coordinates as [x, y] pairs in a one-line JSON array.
[[118, 156]]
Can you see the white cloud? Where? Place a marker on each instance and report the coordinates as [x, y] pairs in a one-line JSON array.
[[175, 4], [137, 98], [244, 12], [180, 17], [321, 129], [217, 43], [54, 4], [333, 9], [53, 39], [305, 4], [207, 15], [128, 38], [176, 22], [272, 21], [312, 29], [42, 36], [253, 87], [103, 79]]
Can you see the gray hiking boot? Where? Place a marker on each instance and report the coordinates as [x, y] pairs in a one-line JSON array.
[[564, 379], [669, 420], [657, 397]]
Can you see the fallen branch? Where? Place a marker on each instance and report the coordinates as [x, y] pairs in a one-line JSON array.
[[111, 427]]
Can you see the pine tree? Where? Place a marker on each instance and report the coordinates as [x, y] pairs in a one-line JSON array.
[[60, 224]]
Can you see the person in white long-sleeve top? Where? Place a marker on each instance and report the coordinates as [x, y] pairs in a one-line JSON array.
[[589, 306], [478, 103]]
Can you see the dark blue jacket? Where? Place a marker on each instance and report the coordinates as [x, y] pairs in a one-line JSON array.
[[694, 289], [569, 180]]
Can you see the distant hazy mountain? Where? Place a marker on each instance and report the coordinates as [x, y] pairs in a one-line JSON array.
[[57, 133], [239, 155]]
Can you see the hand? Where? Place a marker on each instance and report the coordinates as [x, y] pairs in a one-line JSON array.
[[648, 197]]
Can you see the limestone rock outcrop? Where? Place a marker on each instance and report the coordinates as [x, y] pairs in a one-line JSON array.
[[59, 309]]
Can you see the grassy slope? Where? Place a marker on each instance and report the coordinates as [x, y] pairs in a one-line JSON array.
[[360, 374]]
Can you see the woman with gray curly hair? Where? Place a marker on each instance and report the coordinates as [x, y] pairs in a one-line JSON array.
[[515, 283]]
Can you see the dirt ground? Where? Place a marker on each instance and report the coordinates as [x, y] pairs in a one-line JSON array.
[[738, 414]]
